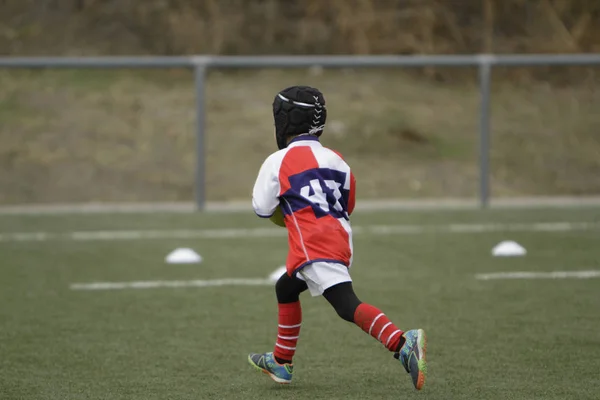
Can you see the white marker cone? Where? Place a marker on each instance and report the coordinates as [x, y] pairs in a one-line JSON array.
[[275, 275], [508, 248], [183, 256]]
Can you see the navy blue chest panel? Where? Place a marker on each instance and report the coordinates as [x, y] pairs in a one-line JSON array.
[[320, 188]]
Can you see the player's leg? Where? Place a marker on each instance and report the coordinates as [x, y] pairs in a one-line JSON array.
[[278, 364], [369, 318], [288, 291], [409, 347]]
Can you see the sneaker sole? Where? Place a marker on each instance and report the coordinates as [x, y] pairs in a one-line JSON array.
[[276, 379], [422, 363]]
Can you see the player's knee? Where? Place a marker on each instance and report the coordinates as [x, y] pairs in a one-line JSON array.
[[283, 292], [346, 312], [343, 299], [280, 285], [288, 289]]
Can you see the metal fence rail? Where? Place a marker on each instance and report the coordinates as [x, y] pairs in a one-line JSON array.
[[200, 64]]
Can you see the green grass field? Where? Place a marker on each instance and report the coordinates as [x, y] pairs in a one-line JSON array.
[[498, 339]]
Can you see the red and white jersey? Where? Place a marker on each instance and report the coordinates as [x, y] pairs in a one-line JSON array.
[[315, 189]]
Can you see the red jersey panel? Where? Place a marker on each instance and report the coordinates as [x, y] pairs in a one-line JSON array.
[[315, 189]]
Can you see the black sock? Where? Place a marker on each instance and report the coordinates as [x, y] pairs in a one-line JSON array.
[[400, 343], [282, 361]]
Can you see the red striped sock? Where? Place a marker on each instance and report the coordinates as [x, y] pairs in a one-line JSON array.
[[371, 320], [290, 319]]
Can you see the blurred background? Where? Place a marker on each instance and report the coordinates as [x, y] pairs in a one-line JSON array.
[[90, 305], [127, 135]]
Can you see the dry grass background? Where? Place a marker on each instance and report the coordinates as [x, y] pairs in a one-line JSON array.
[[298, 26], [128, 135]]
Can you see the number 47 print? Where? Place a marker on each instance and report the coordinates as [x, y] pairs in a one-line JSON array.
[[319, 197]]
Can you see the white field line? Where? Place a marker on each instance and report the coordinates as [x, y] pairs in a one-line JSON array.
[[540, 275], [266, 282], [242, 233], [245, 205], [170, 284]]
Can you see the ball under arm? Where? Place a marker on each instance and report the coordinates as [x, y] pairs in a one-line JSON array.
[[277, 217]]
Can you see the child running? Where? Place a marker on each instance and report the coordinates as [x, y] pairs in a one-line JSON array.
[[310, 190]]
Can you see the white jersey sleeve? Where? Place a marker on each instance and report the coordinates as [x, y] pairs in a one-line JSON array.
[[265, 195]]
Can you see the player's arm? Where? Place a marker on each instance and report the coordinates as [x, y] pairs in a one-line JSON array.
[[265, 195], [352, 196]]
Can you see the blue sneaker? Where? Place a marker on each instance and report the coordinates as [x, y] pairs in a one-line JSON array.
[[266, 363], [412, 356]]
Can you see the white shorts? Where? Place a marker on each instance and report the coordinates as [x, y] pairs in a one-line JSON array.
[[320, 276]]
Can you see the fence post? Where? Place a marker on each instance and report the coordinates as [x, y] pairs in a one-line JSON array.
[[485, 83], [200, 173]]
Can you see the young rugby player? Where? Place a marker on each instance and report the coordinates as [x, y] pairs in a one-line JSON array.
[[310, 190]]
